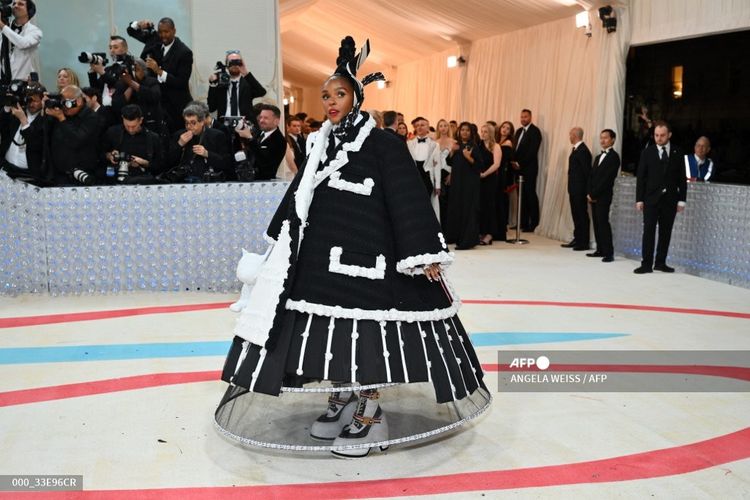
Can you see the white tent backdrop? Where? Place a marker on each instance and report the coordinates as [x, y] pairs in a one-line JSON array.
[[564, 77]]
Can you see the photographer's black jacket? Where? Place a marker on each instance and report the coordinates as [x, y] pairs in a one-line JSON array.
[[213, 140], [148, 98], [178, 63], [249, 89], [73, 143], [268, 154], [33, 136], [145, 144]]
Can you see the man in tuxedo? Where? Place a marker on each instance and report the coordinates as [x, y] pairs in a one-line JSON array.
[[528, 141], [390, 122], [698, 166], [296, 141], [236, 98], [22, 134], [579, 168], [600, 186], [269, 148], [422, 147], [661, 191], [118, 50], [170, 61], [144, 91], [197, 153]]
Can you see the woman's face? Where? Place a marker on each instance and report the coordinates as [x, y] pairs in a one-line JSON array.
[[402, 129], [505, 130], [484, 133], [465, 133], [443, 128], [63, 79], [338, 99]]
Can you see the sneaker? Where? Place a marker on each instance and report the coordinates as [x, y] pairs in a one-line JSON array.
[[339, 413]]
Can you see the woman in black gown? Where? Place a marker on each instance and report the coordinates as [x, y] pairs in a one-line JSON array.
[[505, 138], [463, 209], [491, 157]]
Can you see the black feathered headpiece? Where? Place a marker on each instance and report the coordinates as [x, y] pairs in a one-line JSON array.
[[347, 65]]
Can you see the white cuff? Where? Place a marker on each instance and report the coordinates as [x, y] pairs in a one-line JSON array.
[[134, 25], [163, 77], [681, 203], [415, 264]]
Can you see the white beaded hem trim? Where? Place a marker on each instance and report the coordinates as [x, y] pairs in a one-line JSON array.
[[370, 314], [373, 273]]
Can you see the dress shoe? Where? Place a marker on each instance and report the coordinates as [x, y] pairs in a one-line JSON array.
[[569, 245], [642, 270], [581, 249], [595, 254], [664, 268], [368, 426], [341, 408], [608, 258]]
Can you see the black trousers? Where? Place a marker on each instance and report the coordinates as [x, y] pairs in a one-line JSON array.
[[580, 210], [662, 214], [602, 228], [529, 203]]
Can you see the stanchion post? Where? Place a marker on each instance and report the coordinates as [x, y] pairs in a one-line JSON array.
[[519, 190]]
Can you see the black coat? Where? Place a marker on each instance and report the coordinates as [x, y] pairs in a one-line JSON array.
[[268, 154], [579, 169], [603, 175], [528, 150], [178, 63], [74, 142], [657, 178], [148, 98], [213, 140], [33, 136], [249, 89]]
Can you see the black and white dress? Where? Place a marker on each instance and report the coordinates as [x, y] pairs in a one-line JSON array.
[[343, 296]]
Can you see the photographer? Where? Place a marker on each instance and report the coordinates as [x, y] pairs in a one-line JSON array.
[[170, 61], [133, 153], [22, 131], [19, 52], [99, 77], [198, 153], [144, 91], [73, 133], [269, 147], [232, 89]]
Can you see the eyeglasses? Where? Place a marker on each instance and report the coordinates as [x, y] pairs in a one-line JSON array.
[[192, 122], [233, 51]]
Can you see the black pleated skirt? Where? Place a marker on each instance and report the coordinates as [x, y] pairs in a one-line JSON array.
[[314, 348]]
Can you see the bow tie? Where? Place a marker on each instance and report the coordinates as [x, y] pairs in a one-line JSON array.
[[421, 140]]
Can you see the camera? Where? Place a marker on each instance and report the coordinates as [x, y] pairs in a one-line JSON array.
[[113, 73], [14, 93], [57, 101], [212, 175], [123, 160], [6, 8], [243, 167], [82, 177], [221, 71], [231, 122], [93, 58]]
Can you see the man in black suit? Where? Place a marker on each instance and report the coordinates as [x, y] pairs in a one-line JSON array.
[[197, 153], [269, 148], [579, 168], [296, 142], [22, 134], [661, 191], [601, 183], [390, 122], [170, 61], [528, 141], [236, 97]]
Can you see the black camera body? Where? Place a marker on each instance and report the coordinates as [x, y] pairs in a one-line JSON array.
[[57, 101], [123, 64], [93, 58], [221, 71], [14, 93], [6, 9], [231, 122]]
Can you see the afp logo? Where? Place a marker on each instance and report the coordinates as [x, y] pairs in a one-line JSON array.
[[542, 362]]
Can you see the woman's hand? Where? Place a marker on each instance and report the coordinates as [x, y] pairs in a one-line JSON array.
[[432, 272]]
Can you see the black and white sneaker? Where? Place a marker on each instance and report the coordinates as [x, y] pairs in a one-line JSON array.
[[339, 413], [368, 425]]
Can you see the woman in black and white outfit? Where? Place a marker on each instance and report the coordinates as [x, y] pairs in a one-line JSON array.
[[352, 291]]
